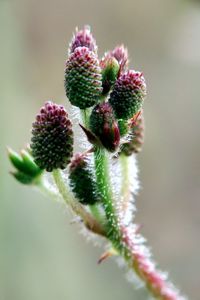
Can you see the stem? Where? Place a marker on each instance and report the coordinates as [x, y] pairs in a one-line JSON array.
[[76, 207], [45, 189], [140, 261], [103, 182], [85, 113], [125, 187]]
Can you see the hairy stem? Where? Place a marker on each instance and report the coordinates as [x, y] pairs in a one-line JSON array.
[[139, 260], [76, 207], [85, 113], [125, 184], [103, 182]]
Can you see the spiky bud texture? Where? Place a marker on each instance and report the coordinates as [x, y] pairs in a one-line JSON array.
[[83, 38], [82, 180], [83, 79], [128, 94], [104, 125], [136, 138], [110, 69], [123, 127], [52, 138]]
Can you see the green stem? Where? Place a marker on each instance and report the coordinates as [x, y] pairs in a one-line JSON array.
[[77, 208], [85, 113], [45, 189], [103, 182]]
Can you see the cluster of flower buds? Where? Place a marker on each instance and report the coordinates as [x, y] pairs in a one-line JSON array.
[[112, 96], [115, 93]]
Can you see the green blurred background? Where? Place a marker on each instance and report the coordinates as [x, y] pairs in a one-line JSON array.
[[42, 256]]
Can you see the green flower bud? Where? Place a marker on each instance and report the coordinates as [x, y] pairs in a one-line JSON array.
[[128, 94], [52, 138], [82, 180], [104, 126], [27, 172], [83, 79]]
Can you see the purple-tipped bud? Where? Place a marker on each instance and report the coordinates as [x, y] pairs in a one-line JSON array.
[[82, 180], [136, 137], [52, 138], [83, 38], [128, 94], [83, 79], [104, 126], [120, 53]]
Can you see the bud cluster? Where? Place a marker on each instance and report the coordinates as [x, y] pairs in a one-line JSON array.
[[97, 190], [110, 95]]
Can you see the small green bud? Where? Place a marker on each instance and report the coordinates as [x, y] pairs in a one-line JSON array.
[[82, 180], [22, 178], [110, 70], [27, 172], [121, 55], [104, 126]]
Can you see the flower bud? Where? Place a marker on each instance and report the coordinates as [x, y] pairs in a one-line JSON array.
[[110, 69], [104, 126], [82, 180], [83, 38], [27, 172], [128, 94], [120, 53], [136, 140], [83, 79], [52, 138]]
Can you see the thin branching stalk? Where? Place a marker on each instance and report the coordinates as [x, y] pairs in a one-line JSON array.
[[91, 223]]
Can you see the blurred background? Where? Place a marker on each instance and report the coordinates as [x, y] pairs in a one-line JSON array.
[[42, 256]]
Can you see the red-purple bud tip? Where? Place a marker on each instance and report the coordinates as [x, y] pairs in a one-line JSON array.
[[83, 38], [104, 126]]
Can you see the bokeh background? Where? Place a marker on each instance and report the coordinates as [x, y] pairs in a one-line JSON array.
[[42, 256]]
